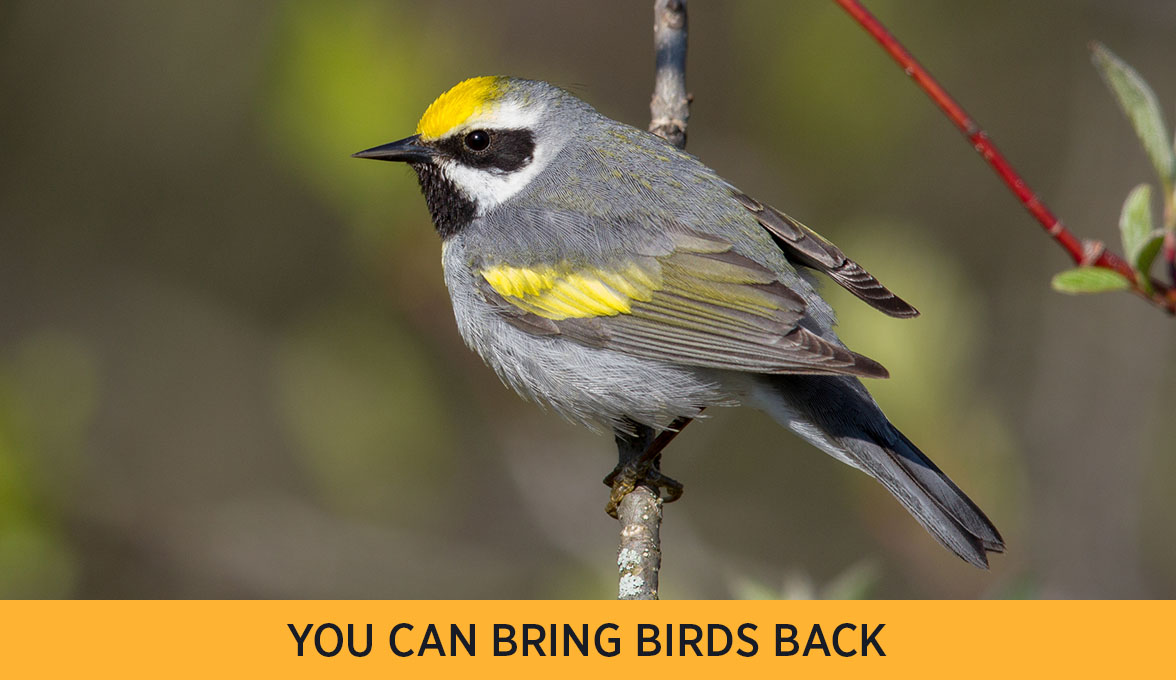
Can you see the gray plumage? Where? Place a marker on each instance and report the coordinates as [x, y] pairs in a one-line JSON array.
[[733, 322]]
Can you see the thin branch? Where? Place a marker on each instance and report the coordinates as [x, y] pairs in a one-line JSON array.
[[640, 511], [639, 557], [670, 108], [1082, 252], [1170, 253]]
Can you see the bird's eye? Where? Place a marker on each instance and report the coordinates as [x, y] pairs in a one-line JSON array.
[[477, 140]]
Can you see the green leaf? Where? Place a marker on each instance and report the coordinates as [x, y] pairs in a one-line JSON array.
[[1135, 222], [1089, 280], [1141, 240], [1139, 103], [1137, 227], [1142, 260]]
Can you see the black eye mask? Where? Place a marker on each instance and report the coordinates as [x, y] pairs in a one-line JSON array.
[[501, 150]]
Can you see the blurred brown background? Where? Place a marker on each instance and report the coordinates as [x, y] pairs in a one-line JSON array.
[[228, 366]]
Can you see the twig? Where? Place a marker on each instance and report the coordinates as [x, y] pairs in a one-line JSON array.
[[639, 557], [670, 108], [1170, 254], [639, 512], [1082, 252]]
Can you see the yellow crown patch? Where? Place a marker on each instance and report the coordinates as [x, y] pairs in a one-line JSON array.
[[455, 107]]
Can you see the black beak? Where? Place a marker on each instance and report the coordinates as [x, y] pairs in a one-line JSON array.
[[407, 150]]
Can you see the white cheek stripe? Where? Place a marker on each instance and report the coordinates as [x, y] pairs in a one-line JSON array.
[[489, 188]]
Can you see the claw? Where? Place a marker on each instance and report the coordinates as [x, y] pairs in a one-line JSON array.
[[631, 474], [639, 460]]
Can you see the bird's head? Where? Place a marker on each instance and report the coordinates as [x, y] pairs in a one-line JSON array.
[[480, 143]]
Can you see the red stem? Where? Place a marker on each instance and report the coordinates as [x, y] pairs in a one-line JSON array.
[[1170, 254], [1082, 252]]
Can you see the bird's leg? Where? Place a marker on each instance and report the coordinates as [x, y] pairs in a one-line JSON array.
[[639, 462]]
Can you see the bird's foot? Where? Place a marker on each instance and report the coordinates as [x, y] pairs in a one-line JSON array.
[[628, 476]]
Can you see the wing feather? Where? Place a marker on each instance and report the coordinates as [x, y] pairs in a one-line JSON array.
[[701, 304], [806, 247]]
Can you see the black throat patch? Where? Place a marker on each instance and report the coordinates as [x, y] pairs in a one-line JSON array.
[[450, 208], [506, 151]]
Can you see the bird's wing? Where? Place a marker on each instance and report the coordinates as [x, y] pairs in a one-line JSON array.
[[699, 304], [805, 246]]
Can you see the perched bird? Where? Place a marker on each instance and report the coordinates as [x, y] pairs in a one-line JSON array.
[[605, 273]]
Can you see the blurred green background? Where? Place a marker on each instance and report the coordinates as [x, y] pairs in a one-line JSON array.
[[228, 367]]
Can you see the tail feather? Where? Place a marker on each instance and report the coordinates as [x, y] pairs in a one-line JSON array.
[[940, 487], [937, 503], [836, 414]]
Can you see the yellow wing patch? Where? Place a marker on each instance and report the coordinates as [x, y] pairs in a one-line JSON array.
[[561, 292], [455, 107]]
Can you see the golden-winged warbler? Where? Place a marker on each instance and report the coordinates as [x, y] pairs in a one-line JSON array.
[[603, 272]]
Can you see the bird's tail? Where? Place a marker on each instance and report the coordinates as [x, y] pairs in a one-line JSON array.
[[837, 414]]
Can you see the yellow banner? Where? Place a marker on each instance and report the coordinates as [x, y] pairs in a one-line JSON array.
[[585, 639]]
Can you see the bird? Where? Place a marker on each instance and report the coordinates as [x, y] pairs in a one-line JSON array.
[[617, 280]]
